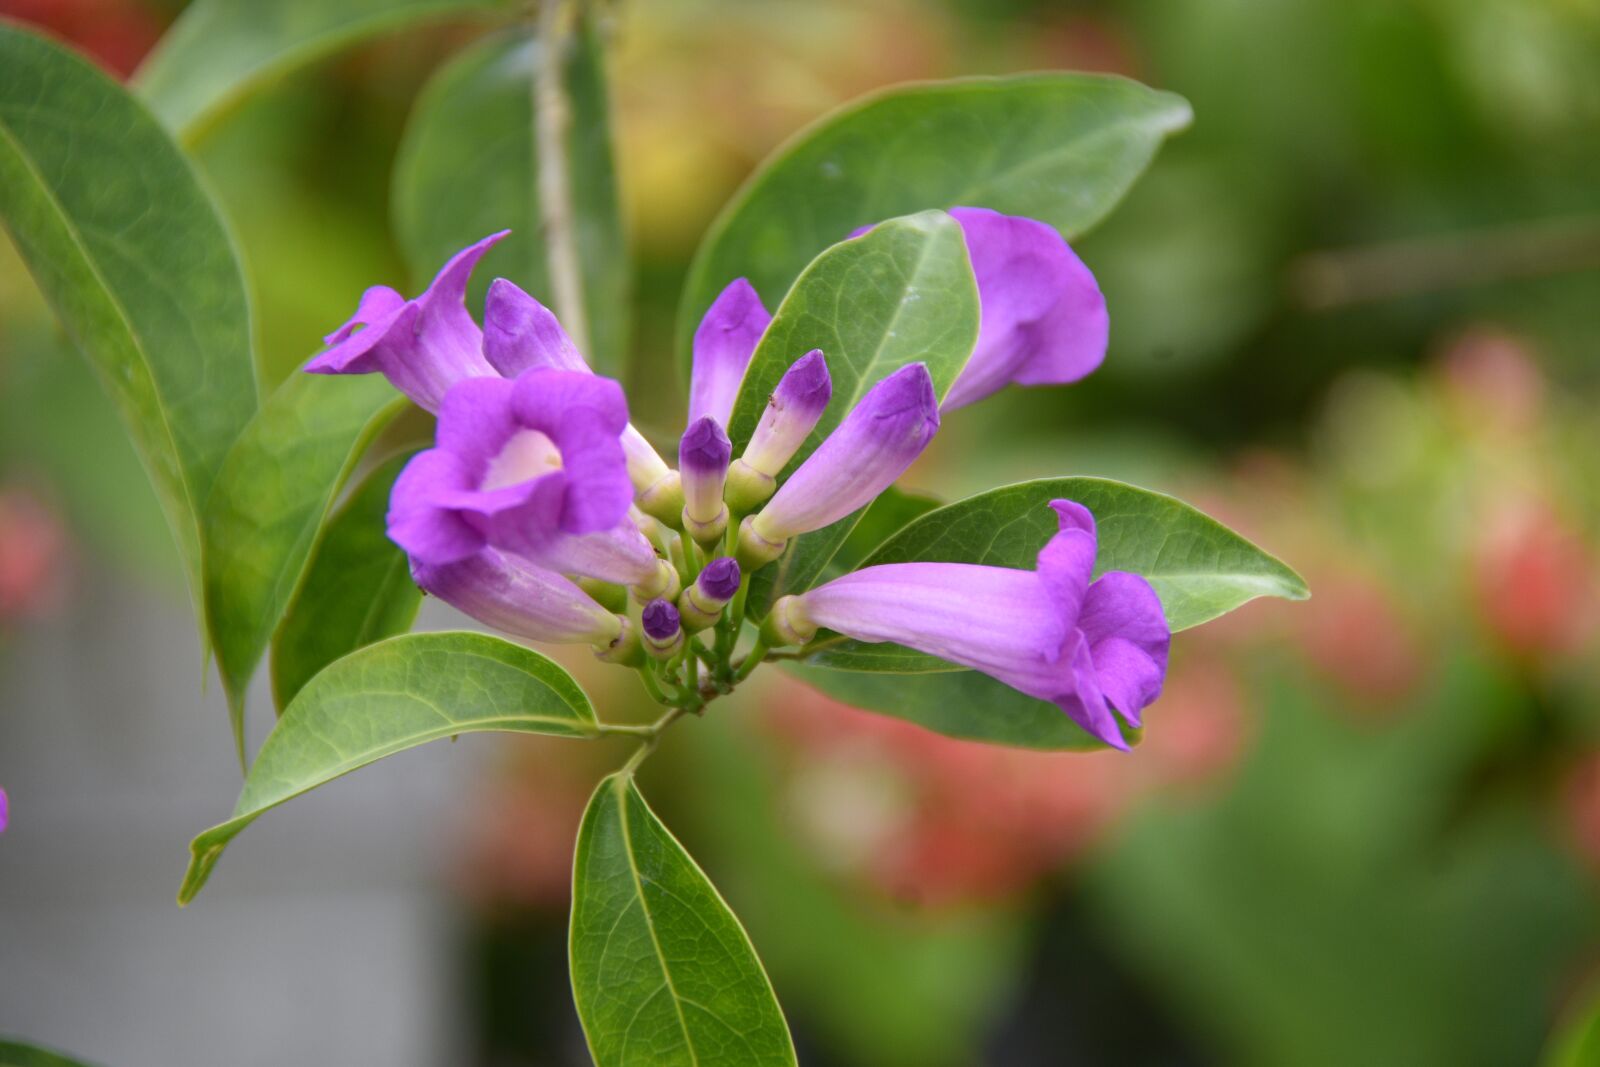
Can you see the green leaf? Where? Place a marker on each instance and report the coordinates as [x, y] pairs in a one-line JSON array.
[[884, 517], [220, 50], [1576, 1040], [17, 1053], [468, 166], [957, 703], [357, 589], [662, 972], [1062, 148], [271, 496], [902, 294], [1198, 567], [131, 254], [389, 697]]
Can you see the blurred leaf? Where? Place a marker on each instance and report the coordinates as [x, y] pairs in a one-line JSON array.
[[662, 972], [901, 294], [16, 1053], [1426, 915], [1198, 567], [468, 167], [219, 51], [357, 589], [1062, 148], [132, 256], [271, 496], [1576, 1042], [389, 697]]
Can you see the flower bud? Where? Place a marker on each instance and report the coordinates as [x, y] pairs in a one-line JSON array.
[[723, 345], [861, 458], [663, 632], [701, 604], [792, 413], [625, 650], [703, 464]]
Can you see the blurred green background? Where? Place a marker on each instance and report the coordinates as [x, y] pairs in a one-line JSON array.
[[1355, 314]]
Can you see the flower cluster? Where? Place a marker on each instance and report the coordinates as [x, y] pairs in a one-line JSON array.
[[541, 511]]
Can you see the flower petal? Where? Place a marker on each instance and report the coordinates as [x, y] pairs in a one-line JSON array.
[[1043, 320], [1128, 638], [519, 333], [518, 598], [417, 523]]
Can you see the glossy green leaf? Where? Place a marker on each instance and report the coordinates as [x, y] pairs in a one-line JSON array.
[[468, 167], [956, 703], [357, 589], [1198, 567], [271, 496], [884, 517], [17, 1053], [662, 972], [1063, 148], [389, 697], [130, 252], [902, 294], [220, 50]]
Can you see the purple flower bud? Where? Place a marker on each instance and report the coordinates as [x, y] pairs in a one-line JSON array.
[[861, 458], [520, 599], [5, 811], [663, 633], [723, 344], [703, 464], [719, 580], [701, 604], [1050, 632], [792, 412], [423, 346]]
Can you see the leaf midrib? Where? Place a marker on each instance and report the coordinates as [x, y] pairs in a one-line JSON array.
[[123, 318], [620, 790]]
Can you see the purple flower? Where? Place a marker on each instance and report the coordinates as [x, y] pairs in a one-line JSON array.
[[1043, 321], [5, 811], [792, 412], [703, 467], [518, 598], [723, 345], [519, 334], [1051, 633], [532, 466], [423, 346], [702, 602], [861, 458], [663, 634]]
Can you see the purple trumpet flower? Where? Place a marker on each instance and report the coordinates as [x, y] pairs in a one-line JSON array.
[[520, 334], [702, 602], [1043, 321], [532, 466], [861, 458], [423, 346], [703, 466], [663, 634], [1050, 632], [723, 344], [518, 598], [791, 414]]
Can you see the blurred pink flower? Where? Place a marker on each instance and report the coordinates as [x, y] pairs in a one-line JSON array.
[[1534, 580], [33, 555], [118, 33]]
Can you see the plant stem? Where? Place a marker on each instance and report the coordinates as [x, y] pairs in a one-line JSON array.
[[653, 739], [751, 661], [552, 119], [647, 674]]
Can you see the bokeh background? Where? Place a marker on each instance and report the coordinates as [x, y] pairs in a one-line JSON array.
[[1355, 314]]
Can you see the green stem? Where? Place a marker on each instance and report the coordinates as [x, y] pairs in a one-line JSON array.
[[653, 739], [552, 122], [647, 674], [751, 661]]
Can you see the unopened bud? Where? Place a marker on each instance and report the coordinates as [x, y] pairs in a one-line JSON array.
[[701, 603], [663, 632]]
